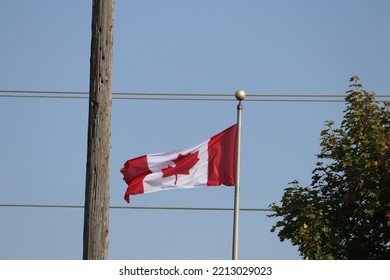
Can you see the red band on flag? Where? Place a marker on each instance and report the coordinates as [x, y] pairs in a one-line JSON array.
[[134, 171], [222, 158]]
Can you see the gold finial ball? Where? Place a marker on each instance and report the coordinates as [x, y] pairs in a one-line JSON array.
[[240, 95]]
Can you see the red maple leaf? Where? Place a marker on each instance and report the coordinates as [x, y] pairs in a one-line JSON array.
[[183, 164]]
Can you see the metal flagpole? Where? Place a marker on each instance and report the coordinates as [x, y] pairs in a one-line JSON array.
[[240, 95]]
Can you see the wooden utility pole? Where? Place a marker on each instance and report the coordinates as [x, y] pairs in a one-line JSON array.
[[97, 188]]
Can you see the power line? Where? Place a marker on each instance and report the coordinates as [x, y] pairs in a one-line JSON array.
[[43, 96], [44, 91], [181, 96], [178, 99], [139, 207]]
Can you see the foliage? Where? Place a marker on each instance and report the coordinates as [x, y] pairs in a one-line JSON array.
[[345, 212]]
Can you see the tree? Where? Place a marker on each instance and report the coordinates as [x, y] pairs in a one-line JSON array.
[[345, 212]]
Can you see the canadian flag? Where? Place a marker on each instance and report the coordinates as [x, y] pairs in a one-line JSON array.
[[211, 163]]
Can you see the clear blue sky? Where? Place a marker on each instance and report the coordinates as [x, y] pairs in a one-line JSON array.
[[264, 47]]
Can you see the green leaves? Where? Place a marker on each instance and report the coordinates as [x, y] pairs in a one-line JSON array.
[[354, 78], [345, 212]]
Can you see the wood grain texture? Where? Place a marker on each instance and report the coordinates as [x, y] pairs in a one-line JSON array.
[[97, 191]]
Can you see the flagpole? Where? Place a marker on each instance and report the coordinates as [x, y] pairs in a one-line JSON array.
[[240, 95]]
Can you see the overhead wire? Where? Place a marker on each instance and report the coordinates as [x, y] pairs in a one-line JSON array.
[[50, 94], [180, 96], [138, 207]]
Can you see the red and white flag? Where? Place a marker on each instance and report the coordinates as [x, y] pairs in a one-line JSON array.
[[211, 163]]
